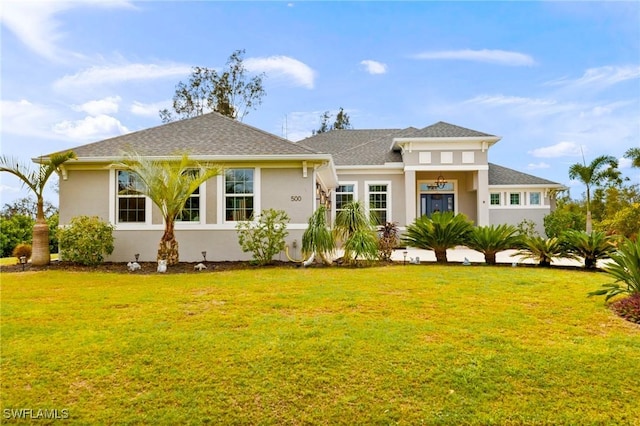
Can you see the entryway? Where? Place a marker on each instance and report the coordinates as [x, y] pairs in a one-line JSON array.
[[431, 203]]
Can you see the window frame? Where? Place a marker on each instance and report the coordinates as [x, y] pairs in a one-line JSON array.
[[145, 211], [198, 194], [491, 198], [511, 198], [531, 194], [387, 195], [239, 195]]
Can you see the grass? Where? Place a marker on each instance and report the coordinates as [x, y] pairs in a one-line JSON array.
[[6, 261], [417, 344]]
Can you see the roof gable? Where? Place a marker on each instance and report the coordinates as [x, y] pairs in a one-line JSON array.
[[499, 175], [210, 134], [446, 130]]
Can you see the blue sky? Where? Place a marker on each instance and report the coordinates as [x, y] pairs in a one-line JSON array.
[[553, 79]]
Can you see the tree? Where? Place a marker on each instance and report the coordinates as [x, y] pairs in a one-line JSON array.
[[36, 181], [228, 93], [168, 184], [354, 229], [342, 121], [317, 238], [634, 155], [601, 169]]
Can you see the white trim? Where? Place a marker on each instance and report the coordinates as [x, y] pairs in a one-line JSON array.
[[446, 167], [180, 226], [367, 206], [112, 195], [468, 157], [334, 193], [424, 157], [436, 191], [222, 195]]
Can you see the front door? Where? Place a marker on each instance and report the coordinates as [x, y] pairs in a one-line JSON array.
[[432, 203]]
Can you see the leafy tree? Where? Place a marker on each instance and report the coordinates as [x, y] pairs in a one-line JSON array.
[[27, 206], [14, 230], [625, 268], [601, 169], [634, 155], [317, 238], [342, 121], [441, 231], [168, 184], [265, 236], [489, 240], [228, 92], [354, 229], [36, 181], [590, 247], [625, 222]]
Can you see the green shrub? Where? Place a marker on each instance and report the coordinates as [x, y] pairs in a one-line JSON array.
[[355, 230], [264, 238], [86, 240], [317, 238], [560, 221], [439, 232], [22, 250], [625, 268]]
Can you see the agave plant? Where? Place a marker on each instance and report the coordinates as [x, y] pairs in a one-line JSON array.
[[489, 240], [591, 247], [317, 238], [625, 268], [541, 250], [438, 233], [355, 230]]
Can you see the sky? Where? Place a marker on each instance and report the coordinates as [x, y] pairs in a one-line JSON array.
[[558, 81]]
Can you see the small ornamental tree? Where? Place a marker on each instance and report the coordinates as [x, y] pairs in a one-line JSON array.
[[265, 236], [86, 240], [317, 238]]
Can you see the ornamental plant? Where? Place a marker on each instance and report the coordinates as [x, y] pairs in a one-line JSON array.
[[625, 268], [86, 240], [317, 238], [264, 237], [489, 240], [439, 232], [590, 247]]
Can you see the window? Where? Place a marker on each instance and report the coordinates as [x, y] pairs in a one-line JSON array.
[[495, 199], [344, 194], [191, 210], [131, 205], [514, 199], [238, 192], [534, 198], [378, 203]]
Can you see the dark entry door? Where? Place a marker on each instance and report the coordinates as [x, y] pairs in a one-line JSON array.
[[431, 203]]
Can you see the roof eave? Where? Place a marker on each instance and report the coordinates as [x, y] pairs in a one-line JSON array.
[[398, 143]]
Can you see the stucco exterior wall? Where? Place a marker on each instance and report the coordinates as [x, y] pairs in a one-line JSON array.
[[288, 190], [397, 193], [513, 216], [84, 192], [435, 157]]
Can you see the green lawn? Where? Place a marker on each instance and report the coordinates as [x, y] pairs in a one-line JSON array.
[[404, 344]]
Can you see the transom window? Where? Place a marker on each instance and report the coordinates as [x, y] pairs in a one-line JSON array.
[[378, 203], [238, 192], [534, 198], [495, 198], [514, 198], [344, 195], [131, 204]]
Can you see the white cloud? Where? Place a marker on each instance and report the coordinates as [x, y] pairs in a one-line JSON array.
[[500, 100], [536, 166], [99, 75], [374, 67], [90, 128], [24, 118], [35, 23], [101, 106], [284, 68], [561, 149], [150, 109], [9, 189], [501, 57], [601, 77], [624, 163]]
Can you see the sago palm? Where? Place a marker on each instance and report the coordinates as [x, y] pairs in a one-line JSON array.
[[625, 268], [36, 181], [489, 240], [438, 233], [541, 250], [168, 184], [590, 247]]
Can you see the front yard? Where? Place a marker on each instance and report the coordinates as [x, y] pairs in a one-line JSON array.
[[409, 344]]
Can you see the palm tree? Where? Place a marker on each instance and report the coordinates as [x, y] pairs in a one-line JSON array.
[[541, 250], [634, 155], [625, 268], [354, 229], [36, 180], [594, 175], [438, 233], [591, 247], [317, 238], [489, 240], [168, 184]]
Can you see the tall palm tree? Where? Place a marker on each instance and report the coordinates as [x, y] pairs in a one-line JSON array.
[[36, 181], [634, 155], [599, 170], [168, 184]]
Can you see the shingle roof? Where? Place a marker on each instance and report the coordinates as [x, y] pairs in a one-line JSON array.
[[209, 134], [446, 130], [499, 175]]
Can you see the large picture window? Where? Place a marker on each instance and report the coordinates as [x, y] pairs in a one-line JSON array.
[[238, 192], [131, 205], [378, 203]]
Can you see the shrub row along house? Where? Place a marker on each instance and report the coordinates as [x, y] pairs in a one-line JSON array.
[[398, 174]]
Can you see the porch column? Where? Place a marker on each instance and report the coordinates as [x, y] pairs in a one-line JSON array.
[[410, 196], [483, 198]]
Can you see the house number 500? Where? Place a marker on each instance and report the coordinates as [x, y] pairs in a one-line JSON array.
[[296, 198]]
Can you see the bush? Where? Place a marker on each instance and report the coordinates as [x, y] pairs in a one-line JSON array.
[[560, 221], [22, 250], [264, 237], [86, 240], [439, 232], [388, 240], [317, 238], [628, 308], [354, 228]]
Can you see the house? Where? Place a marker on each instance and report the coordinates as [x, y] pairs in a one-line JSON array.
[[399, 174]]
